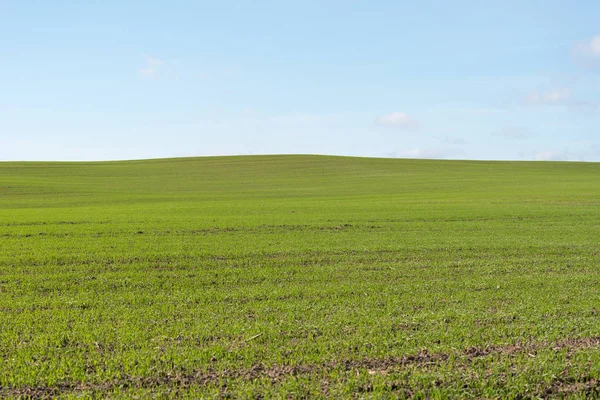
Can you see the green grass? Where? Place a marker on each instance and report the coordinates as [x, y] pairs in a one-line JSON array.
[[299, 276]]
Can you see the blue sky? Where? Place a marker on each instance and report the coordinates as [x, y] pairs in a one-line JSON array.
[[99, 80]]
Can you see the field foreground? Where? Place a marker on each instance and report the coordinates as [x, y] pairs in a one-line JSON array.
[[299, 276]]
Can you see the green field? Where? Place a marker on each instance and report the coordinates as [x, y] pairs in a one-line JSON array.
[[301, 277]]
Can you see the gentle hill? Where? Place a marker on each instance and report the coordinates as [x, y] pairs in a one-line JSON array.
[[261, 276], [289, 176]]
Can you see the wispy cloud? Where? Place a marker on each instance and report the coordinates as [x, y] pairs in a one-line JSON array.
[[549, 97], [588, 107], [454, 140], [562, 97], [399, 120], [152, 68], [513, 133], [588, 51]]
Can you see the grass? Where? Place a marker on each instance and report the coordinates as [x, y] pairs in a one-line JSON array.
[[299, 276]]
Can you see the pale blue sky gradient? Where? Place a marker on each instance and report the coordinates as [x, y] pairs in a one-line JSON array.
[[498, 79]]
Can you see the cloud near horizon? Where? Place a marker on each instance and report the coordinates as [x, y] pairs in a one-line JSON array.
[[587, 154], [430, 153], [399, 120]]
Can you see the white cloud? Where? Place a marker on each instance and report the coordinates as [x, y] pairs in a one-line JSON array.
[[594, 46], [399, 120], [588, 52], [550, 97], [590, 48], [562, 97], [151, 68]]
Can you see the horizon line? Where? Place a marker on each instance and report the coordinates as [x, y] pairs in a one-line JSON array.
[[290, 155]]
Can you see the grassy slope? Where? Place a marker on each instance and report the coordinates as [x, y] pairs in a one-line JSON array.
[[360, 277]]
